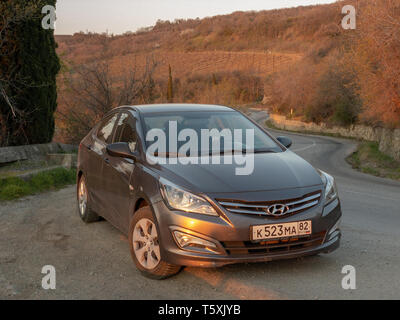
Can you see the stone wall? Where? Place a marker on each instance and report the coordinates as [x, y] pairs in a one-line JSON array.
[[33, 151], [388, 139]]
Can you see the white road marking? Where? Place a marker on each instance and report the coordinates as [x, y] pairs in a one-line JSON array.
[[306, 148]]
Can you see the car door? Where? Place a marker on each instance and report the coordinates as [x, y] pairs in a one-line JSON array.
[[117, 173], [97, 151]]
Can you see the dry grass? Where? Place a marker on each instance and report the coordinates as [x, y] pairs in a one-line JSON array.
[[369, 159]]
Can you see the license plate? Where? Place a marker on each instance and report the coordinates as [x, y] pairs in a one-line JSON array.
[[281, 230]]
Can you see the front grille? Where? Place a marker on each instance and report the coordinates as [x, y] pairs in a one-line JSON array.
[[297, 205], [242, 248]]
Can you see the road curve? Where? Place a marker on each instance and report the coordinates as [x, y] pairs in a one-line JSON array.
[[92, 261]]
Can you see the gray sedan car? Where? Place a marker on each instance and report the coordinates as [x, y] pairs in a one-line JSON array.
[[202, 203]]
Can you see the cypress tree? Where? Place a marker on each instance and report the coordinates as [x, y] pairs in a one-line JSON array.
[[150, 90], [214, 79], [170, 90], [35, 93]]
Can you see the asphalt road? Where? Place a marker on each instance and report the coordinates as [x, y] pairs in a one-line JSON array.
[[93, 261]]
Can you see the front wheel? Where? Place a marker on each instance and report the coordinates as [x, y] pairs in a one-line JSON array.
[[145, 246], [84, 209]]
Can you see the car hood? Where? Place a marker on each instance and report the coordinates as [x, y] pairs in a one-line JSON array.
[[272, 171]]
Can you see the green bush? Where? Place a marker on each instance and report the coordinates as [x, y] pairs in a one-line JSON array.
[[345, 112]]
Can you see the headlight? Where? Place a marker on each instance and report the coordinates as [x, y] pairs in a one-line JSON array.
[[182, 200], [330, 187]]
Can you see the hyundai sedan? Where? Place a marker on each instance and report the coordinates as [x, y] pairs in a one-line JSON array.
[[203, 186]]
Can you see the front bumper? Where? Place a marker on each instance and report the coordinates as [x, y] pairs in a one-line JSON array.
[[235, 230]]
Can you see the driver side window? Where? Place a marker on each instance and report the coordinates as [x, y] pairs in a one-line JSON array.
[[126, 131], [106, 129]]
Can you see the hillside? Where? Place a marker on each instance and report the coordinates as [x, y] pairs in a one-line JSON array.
[[297, 58], [244, 41], [281, 30]]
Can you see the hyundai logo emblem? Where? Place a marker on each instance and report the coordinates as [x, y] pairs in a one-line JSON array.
[[277, 210]]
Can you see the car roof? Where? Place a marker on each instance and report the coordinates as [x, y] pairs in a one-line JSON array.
[[177, 107]]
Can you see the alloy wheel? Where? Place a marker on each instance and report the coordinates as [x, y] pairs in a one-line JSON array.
[[145, 243], [82, 197]]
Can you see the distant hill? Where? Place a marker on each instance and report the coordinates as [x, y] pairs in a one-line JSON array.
[[299, 61], [246, 41]]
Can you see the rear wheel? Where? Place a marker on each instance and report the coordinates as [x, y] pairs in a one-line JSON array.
[[145, 246], [84, 209]]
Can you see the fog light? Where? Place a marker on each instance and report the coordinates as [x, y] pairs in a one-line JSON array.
[[336, 226], [189, 242], [334, 231]]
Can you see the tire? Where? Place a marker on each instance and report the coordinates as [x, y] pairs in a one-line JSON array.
[[84, 209], [144, 246]]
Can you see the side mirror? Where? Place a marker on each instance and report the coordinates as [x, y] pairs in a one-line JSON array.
[[287, 142], [121, 150]]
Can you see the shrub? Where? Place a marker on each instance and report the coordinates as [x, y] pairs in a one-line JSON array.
[[14, 191], [14, 188], [335, 99]]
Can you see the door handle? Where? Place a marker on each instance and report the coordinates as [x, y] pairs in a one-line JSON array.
[[106, 160], [89, 147]]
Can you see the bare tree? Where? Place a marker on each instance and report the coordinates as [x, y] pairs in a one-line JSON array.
[[376, 62], [90, 91]]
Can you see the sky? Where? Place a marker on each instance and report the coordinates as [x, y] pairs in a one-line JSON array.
[[119, 16]]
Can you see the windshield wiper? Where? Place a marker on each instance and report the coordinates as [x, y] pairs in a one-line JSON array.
[[216, 152], [244, 151], [265, 151], [168, 154]]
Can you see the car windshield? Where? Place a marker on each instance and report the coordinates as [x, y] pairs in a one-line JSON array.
[[229, 125]]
